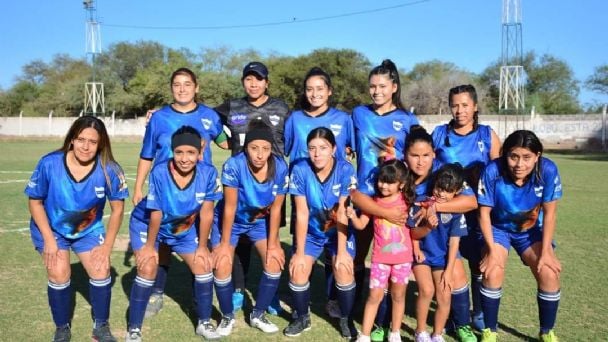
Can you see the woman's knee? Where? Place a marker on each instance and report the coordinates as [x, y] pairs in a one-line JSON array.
[[147, 271]]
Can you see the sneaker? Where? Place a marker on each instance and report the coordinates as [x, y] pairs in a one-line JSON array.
[[394, 337], [102, 333], [477, 321], [422, 336], [297, 326], [333, 309], [225, 327], [62, 334], [488, 335], [465, 334], [548, 337], [237, 300], [437, 338], [363, 338], [275, 306], [263, 324], [378, 334], [133, 335], [155, 303], [207, 330], [347, 328]]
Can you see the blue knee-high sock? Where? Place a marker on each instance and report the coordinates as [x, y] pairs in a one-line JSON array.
[[460, 306], [548, 302], [476, 292], [266, 291], [161, 279], [383, 308], [223, 290], [301, 298], [359, 280], [203, 295], [346, 298], [100, 295], [330, 282], [140, 295], [490, 303], [60, 301]]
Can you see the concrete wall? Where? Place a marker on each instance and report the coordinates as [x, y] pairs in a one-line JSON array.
[[552, 129]]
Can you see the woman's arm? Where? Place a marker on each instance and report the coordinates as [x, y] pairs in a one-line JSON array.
[[547, 256], [460, 204], [396, 215], [101, 254], [495, 146], [273, 249], [143, 167]]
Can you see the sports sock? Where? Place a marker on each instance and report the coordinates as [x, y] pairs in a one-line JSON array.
[[161, 279], [490, 302], [548, 303], [460, 306], [223, 291], [203, 293], [60, 301], [301, 298], [140, 294], [100, 295], [346, 298], [266, 291]]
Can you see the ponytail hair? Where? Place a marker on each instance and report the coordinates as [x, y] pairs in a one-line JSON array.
[[389, 69]]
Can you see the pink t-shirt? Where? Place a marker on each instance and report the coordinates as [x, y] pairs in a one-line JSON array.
[[392, 243]]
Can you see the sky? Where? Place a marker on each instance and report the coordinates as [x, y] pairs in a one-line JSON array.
[[466, 33]]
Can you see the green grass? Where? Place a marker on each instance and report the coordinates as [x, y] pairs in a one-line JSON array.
[[24, 315]]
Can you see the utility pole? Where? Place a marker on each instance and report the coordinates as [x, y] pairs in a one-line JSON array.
[[94, 99], [511, 98]]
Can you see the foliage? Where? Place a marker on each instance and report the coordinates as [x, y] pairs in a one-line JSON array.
[[598, 82]]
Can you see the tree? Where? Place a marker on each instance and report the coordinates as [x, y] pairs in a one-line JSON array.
[[598, 82]]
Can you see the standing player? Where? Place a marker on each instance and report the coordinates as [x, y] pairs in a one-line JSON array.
[[182, 195], [236, 114], [67, 194], [320, 185], [380, 132], [255, 182], [316, 112], [463, 140], [518, 195], [157, 148]]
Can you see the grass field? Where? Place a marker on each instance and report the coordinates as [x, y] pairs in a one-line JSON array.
[[24, 315]]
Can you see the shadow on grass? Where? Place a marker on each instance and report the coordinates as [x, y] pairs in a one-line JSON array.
[[80, 284]]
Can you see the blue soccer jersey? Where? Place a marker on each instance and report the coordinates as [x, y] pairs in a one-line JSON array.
[[254, 198], [423, 189], [299, 124], [472, 151], [179, 207], [518, 208], [378, 137], [322, 197], [435, 244], [74, 209], [165, 121]]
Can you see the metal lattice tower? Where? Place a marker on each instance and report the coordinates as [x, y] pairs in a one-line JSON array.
[[511, 99], [94, 99]]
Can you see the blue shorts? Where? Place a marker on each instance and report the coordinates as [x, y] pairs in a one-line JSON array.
[[471, 245], [314, 247], [519, 240], [436, 262], [185, 243], [79, 245], [254, 231]]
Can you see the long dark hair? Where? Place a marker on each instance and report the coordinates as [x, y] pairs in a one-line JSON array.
[[389, 69], [315, 71], [524, 139], [323, 133], [395, 171], [104, 149], [417, 133], [464, 88]]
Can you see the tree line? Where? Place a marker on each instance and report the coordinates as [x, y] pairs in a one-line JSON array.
[[136, 78]]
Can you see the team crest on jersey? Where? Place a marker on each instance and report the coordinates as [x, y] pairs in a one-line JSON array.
[[335, 129], [274, 119], [481, 146], [445, 217], [200, 197], [397, 126], [538, 191], [33, 179], [336, 189], [143, 237], [206, 123], [238, 119], [100, 191]]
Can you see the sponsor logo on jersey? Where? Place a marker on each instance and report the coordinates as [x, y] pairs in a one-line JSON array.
[[336, 189], [206, 123], [335, 129], [200, 196], [397, 126], [238, 119], [274, 119], [481, 146], [100, 191], [445, 217], [538, 191]]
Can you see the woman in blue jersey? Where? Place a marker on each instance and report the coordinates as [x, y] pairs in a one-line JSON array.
[[465, 141], [156, 148], [518, 195], [67, 194], [314, 112], [380, 131], [255, 182], [178, 212], [320, 185]]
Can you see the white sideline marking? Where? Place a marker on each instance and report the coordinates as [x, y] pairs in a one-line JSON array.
[[14, 181]]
